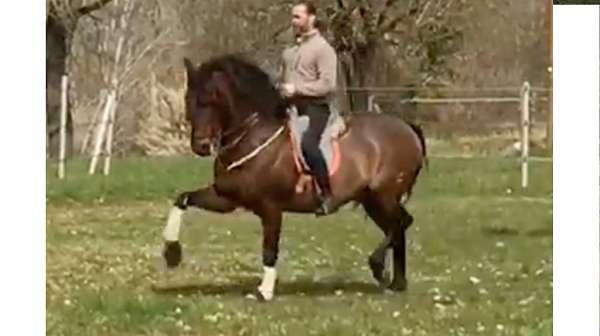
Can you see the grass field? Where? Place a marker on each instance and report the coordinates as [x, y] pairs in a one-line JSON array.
[[479, 258]]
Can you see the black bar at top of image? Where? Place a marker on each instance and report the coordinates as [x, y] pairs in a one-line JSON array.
[[576, 2]]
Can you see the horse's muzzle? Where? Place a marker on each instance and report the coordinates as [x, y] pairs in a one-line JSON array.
[[204, 146]]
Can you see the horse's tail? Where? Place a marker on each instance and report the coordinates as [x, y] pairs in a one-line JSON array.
[[419, 131], [421, 136]]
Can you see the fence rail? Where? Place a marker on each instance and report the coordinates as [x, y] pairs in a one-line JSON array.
[[523, 95]]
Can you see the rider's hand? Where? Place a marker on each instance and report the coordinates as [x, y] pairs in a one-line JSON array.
[[288, 89]]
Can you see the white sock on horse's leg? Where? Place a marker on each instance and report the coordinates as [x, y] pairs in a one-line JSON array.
[[267, 287], [171, 231]]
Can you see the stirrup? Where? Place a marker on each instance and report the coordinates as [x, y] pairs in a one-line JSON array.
[[326, 206]]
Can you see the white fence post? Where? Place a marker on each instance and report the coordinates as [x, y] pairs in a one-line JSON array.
[[101, 133], [90, 131], [63, 126], [109, 138], [525, 92], [371, 103]]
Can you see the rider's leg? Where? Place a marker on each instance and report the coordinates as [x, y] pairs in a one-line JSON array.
[[318, 116]]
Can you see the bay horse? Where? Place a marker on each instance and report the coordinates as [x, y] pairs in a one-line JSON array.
[[238, 115]]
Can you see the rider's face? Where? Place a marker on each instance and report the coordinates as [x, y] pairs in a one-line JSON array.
[[301, 20]]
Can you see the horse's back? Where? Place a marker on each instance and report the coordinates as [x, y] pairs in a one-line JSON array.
[[389, 148], [385, 130]]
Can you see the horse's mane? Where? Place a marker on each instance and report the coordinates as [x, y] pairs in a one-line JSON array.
[[249, 83]]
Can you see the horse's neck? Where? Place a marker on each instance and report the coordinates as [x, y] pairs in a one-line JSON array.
[[258, 137], [266, 127]]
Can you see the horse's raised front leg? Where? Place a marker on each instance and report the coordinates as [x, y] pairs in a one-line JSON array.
[[205, 198], [271, 223]]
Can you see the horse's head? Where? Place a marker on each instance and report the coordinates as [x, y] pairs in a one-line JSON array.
[[222, 94], [209, 107]]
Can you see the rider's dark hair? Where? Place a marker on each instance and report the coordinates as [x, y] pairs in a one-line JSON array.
[[311, 9]]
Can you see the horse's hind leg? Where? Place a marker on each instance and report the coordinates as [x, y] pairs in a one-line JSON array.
[[393, 220], [205, 198], [377, 259], [402, 222]]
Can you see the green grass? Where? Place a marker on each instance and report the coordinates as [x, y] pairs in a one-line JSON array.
[[131, 179], [479, 262], [158, 179]]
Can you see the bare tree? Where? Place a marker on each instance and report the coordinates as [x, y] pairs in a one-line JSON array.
[[425, 43], [126, 51], [62, 17], [420, 34]]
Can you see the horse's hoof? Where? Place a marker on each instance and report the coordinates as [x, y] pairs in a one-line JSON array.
[[172, 254], [258, 296], [251, 296], [398, 285], [377, 269]]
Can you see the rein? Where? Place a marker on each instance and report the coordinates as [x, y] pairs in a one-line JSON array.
[[248, 123], [257, 150]]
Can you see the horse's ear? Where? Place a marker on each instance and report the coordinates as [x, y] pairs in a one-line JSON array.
[[189, 71]]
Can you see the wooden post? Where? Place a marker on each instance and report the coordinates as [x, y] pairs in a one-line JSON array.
[[63, 126], [153, 95], [90, 131], [549, 124], [371, 103], [525, 91], [100, 134], [109, 138]]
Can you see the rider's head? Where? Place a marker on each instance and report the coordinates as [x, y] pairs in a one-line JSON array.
[[304, 17]]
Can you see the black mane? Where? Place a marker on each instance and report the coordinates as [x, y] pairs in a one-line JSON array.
[[250, 83]]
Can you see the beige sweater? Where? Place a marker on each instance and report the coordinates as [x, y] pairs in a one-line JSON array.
[[311, 65]]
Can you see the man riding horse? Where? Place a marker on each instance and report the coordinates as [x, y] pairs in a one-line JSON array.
[[309, 79], [239, 116]]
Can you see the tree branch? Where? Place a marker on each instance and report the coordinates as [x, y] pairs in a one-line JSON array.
[[382, 14], [278, 32], [392, 24], [128, 67], [85, 10], [422, 15]]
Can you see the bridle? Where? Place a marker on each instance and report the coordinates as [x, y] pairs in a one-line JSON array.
[[246, 125]]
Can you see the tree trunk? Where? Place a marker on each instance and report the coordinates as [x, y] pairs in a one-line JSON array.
[[59, 33], [359, 70], [57, 41]]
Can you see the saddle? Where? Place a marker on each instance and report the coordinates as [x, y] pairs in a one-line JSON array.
[[329, 145]]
